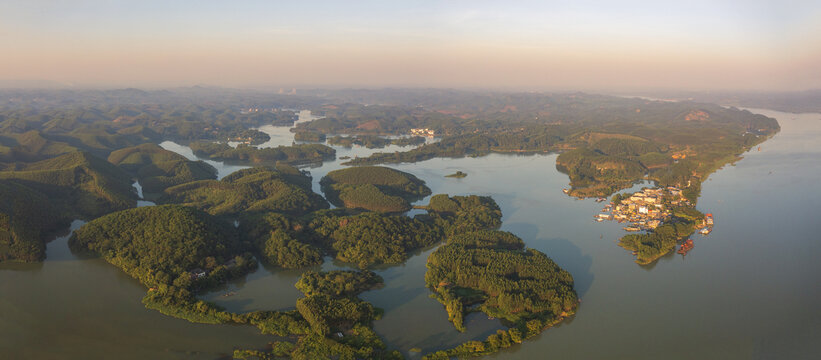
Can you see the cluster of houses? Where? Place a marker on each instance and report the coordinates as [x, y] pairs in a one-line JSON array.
[[252, 110], [708, 224], [242, 140], [422, 132], [645, 209], [648, 209]]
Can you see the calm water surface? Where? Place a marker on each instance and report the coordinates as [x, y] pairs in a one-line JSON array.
[[748, 290]]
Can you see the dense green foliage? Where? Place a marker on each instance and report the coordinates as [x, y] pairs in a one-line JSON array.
[[311, 136], [364, 239], [459, 214], [606, 163], [257, 189], [651, 246], [371, 198], [326, 313], [372, 238], [340, 323], [331, 304], [163, 245], [502, 339], [378, 175], [174, 250], [284, 250], [30, 146], [332, 308], [598, 173], [77, 183], [492, 268], [249, 136], [337, 283], [26, 217], [158, 169], [295, 154], [279, 239], [279, 323], [373, 188]]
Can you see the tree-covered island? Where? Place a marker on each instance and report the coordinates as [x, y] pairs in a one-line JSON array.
[[457, 175], [296, 154], [374, 188]]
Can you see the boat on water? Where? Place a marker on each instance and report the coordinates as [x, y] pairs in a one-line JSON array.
[[566, 191], [705, 231], [685, 247]]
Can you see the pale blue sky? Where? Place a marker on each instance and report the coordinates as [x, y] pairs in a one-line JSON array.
[[511, 44]]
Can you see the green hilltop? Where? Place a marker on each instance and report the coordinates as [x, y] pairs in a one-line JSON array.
[[77, 183], [26, 218], [158, 169], [250, 190], [373, 188]]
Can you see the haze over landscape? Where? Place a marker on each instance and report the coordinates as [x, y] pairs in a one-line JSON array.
[[421, 180], [522, 45]]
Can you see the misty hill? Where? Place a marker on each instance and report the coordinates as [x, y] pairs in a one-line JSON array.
[[30, 146], [792, 101], [196, 95]]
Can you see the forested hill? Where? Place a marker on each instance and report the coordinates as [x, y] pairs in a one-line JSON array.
[[160, 245], [294, 154], [250, 190], [374, 188], [26, 217], [787, 101], [42, 197], [158, 169], [78, 183]]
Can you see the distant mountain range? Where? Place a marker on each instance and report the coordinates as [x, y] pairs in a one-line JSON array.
[[788, 101]]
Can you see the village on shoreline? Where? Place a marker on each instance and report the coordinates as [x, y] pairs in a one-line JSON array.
[[649, 208]]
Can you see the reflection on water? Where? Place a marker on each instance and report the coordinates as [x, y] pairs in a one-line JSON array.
[[748, 290]]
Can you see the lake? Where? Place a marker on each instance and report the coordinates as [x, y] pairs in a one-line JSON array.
[[748, 290]]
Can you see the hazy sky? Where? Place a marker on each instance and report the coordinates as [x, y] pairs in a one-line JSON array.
[[538, 45]]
